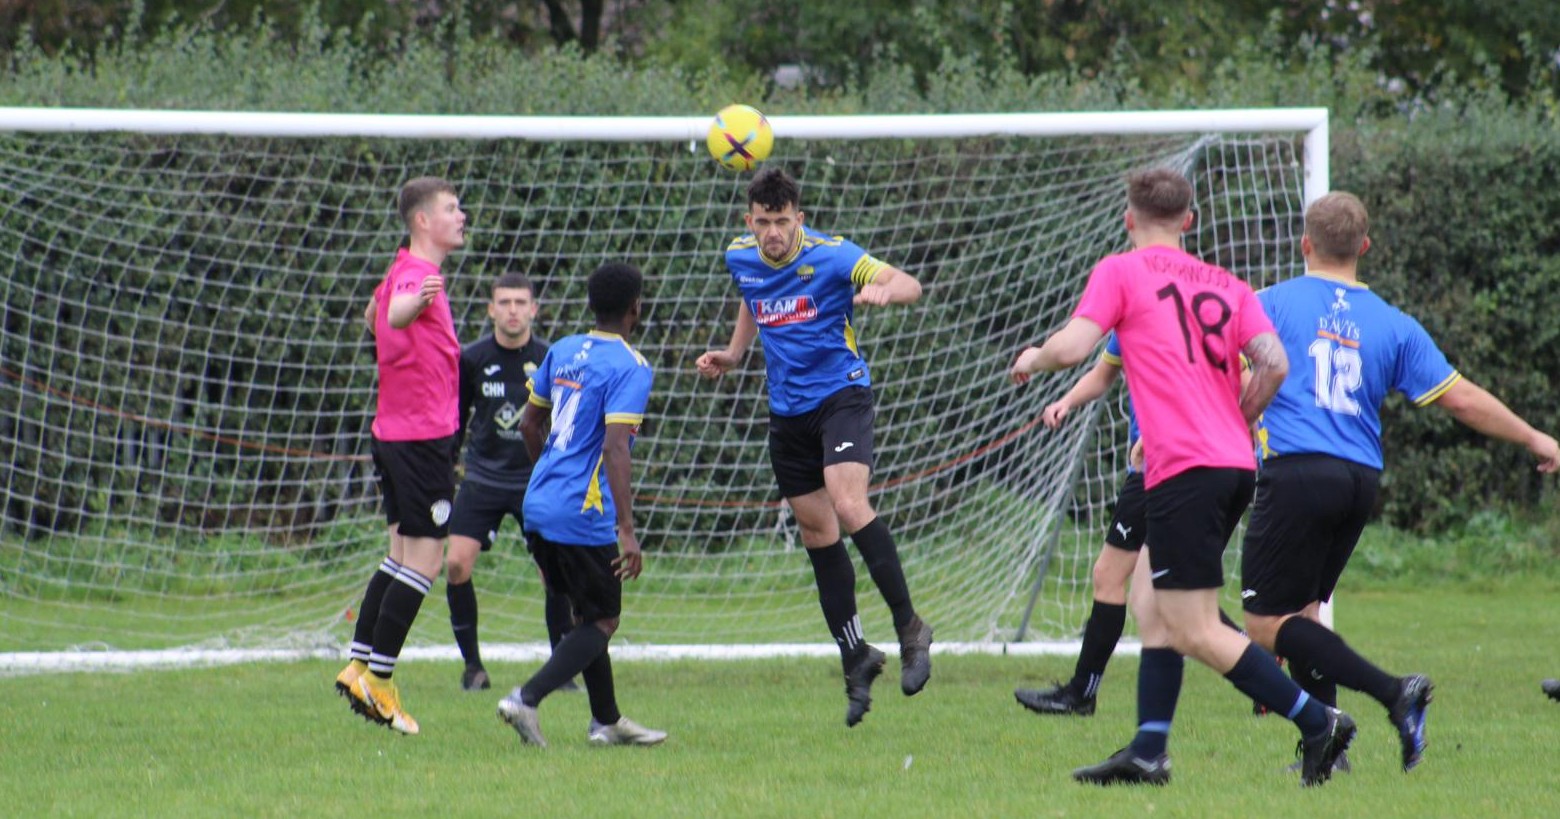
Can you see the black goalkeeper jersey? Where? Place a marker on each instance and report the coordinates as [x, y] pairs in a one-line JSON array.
[[492, 394]]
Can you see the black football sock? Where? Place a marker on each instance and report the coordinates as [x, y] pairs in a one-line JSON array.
[[396, 614], [1100, 636], [559, 615], [1310, 642], [835, 575], [368, 611], [1258, 676], [575, 652], [1314, 682], [463, 619], [877, 549], [601, 690], [1159, 688]]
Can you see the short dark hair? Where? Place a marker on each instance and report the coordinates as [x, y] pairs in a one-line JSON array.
[[514, 281], [1159, 194], [1337, 224], [612, 289], [774, 189], [417, 193]]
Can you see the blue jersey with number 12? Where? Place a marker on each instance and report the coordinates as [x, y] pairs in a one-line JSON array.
[[588, 382], [1347, 349]]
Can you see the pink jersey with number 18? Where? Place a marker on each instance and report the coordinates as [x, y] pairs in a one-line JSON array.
[[419, 365], [1181, 323]]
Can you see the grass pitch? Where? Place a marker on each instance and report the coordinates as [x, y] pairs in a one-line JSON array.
[[767, 738]]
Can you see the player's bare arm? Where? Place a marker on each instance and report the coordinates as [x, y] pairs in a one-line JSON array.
[[369, 311], [618, 462], [1268, 365], [1067, 347], [715, 363], [406, 307], [534, 421], [1089, 387], [891, 286], [1476, 407]]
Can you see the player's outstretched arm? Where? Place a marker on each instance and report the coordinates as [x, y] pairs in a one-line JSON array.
[[1476, 407], [534, 421], [1266, 366], [892, 286], [618, 462], [1067, 347], [715, 363], [1090, 386]]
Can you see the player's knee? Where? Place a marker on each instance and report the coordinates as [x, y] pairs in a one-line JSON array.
[[1189, 639], [854, 512], [1263, 628], [608, 626], [1110, 585], [457, 569], [817, 536]]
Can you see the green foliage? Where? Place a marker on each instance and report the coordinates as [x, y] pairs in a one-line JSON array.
[[1489, 550], [1465, 211]]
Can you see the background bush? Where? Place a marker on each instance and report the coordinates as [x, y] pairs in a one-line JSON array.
[[1460, 176]]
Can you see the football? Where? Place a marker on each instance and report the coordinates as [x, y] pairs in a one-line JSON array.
[[740, 137]]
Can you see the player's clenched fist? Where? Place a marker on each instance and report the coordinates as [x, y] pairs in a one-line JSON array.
[[715, 362], [432, 286], [1025, 365]]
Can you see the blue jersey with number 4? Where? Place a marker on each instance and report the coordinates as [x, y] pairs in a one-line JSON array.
[[587, 382], [1347, 349]]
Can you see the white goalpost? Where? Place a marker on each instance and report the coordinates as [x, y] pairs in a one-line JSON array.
[[186, 386]]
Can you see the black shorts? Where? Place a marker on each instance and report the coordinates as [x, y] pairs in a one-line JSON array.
[[583, 574], [417, 482], [1190, 519], [1308, 516], [480, 509], [1130, 523], [838, 431]]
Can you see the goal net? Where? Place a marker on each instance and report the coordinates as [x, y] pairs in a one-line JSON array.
[[186, 385]]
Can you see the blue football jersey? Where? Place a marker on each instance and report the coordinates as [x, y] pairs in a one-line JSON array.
[[803, 305], [1112, 356], [588, 381], [1347, 349]]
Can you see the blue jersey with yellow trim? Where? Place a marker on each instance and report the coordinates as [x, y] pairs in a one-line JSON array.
[[1347, 349], [803, 306], [1112, 356], [588, 381]]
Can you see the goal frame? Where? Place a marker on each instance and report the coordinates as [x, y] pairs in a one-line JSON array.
[[1309, 123]]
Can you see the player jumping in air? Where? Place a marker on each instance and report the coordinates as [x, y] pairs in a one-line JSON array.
[[799, 289]]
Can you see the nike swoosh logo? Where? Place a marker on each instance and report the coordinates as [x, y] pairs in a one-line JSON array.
[[491, 368], [1159, 574], [844, 446]]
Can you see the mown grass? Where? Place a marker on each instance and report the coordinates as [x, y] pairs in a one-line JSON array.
[[766, 738]]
